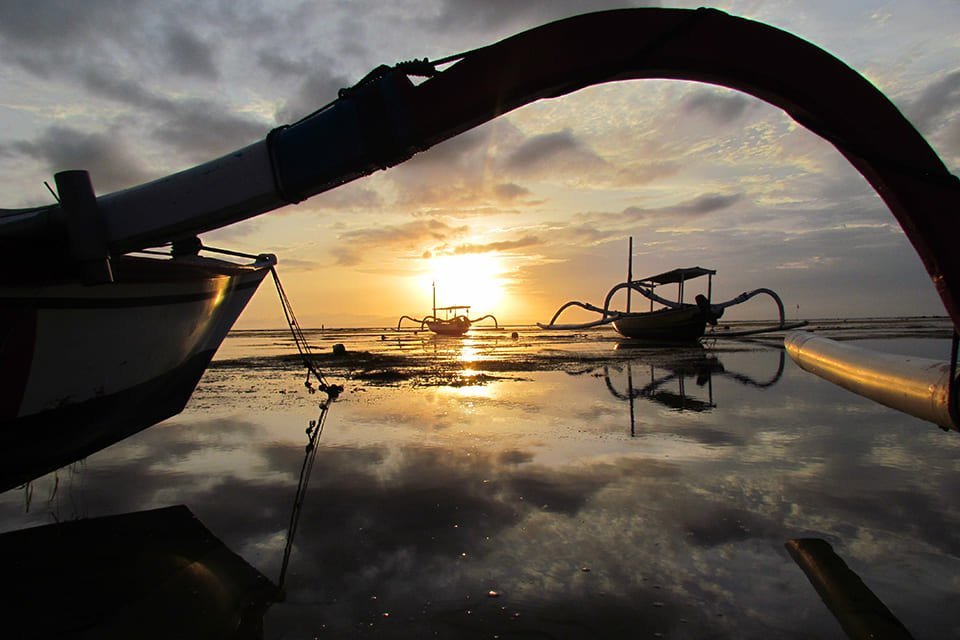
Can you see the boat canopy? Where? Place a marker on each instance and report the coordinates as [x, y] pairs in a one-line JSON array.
[[677, 275]]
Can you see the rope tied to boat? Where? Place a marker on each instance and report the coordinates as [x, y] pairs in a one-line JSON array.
[[315, 428], [303, 347]]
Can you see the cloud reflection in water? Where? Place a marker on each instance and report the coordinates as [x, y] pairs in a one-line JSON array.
[[423, 501]]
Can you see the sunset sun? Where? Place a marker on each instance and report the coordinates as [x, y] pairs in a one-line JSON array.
[[470, 279]]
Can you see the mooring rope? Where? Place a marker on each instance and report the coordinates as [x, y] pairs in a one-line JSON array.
[[303, 347], [314, 432], [316, 426]]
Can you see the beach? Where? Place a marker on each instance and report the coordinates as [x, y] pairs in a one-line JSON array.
[[525, 483]]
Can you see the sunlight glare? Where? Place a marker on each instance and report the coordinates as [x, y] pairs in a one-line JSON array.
[[470, 279]]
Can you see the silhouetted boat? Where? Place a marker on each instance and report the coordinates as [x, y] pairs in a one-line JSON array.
[[451, 323], [676, 321]]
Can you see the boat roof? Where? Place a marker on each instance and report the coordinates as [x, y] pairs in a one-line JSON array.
[[676, 275], [454, 308]]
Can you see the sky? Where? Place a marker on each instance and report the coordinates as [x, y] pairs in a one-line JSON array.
[[514, 217]]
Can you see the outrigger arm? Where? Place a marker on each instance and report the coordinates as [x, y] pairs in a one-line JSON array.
[[423, 322]]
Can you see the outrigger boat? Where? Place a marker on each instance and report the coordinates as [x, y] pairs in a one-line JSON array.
[[74, 318], [85, 365], [452, 323], [676, 321]]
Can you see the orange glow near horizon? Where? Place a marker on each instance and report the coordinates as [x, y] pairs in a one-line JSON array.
[[474, 279]]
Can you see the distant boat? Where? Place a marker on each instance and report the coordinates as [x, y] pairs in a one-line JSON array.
[[451, 323], [676, 321]]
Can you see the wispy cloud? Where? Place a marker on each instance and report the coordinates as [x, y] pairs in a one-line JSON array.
[[413, 237], [721, 107], [494, 14], [561, 150], [491, 247], [701, 205], [941, 97]]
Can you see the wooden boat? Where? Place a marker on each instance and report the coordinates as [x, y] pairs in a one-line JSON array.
[[452, 324], [448, 322], [676, 321], [84, 362], [686, 324]]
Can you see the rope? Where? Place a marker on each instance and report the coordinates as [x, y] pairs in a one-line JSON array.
[[315, 429], [313, 436], [303, 347]]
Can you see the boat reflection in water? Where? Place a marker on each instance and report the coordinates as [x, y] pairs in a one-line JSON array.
[[663, 376], [156, 573], [149, 574]]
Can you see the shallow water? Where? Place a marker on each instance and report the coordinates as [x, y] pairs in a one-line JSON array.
[[561, 485]]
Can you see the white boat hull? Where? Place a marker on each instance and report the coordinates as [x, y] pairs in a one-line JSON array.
[[89, 365]]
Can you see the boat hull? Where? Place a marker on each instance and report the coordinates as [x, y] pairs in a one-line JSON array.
[[88, 364], [455, 327], [685, 324]]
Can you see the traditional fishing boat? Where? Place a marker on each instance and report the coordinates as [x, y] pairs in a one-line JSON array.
[[447, 321], [83, 363], [380, 122], [676, 321]]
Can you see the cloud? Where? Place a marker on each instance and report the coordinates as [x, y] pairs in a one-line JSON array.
[[111, 163], [56, 24], [318, 87], [111, 85], [201, 129], [189, 55], [940, 98], [495, 14], [491, 247], [721, 107], [410, 237], [560, 150], [701, 205], [510, 191]]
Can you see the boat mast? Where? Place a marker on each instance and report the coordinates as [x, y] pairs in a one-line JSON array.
[[434, 298], [629, 271]]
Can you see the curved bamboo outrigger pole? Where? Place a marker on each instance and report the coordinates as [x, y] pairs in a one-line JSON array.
[[385, 119]]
